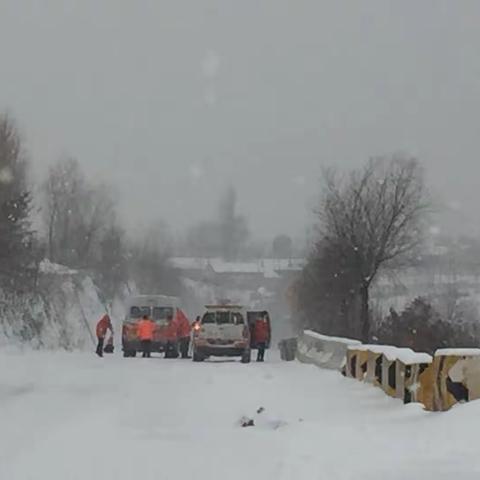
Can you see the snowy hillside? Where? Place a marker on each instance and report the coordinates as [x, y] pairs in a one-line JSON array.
[[61, 314]]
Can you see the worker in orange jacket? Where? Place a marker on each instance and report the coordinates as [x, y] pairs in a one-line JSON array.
[[145, 330], [261, 334], [183, 331], [103, 325]]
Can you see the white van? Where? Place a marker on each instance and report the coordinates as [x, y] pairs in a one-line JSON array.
[[158, 308]]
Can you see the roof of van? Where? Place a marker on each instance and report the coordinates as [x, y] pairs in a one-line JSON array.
[[155, 299]]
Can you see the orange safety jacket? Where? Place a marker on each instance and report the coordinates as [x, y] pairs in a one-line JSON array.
[[145, 329]]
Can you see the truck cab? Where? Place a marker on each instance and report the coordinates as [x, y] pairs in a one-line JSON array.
[[222, 332]]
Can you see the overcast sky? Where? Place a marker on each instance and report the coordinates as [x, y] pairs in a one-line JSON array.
[[173, 100]]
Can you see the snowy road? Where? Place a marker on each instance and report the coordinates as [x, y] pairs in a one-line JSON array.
[[72, 416]]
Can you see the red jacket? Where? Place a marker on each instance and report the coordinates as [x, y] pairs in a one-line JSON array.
[[183, 324], [145, 329], [261, 331], [103, 325], [171, 331]]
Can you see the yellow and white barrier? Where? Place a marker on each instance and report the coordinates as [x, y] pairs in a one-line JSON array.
[[409, 371], [457, 378], [452, 376], [357, 359]]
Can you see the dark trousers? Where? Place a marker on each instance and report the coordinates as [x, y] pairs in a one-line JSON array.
[[171, 350], [146, 348], [100, 347], [261, 351], [184, 346]]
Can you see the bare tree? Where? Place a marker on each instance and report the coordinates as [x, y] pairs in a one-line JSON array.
[[150, 267], [112, 266], [77, 215], [373, 218], [64, 192]]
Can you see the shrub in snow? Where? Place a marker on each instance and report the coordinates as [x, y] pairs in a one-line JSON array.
[[422, 328]]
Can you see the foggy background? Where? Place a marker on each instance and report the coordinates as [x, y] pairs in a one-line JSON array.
[[172, 101]]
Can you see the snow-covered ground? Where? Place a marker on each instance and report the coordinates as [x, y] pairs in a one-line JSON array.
[[73, 416]]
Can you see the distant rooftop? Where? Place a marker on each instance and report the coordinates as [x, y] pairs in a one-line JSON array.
[[269, 267]]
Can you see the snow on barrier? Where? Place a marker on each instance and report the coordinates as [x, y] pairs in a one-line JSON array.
[[323, 351]]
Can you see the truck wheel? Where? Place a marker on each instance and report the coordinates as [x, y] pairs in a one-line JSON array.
[[247, 356]]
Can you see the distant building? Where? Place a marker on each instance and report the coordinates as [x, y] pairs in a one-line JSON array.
[[252, 275]]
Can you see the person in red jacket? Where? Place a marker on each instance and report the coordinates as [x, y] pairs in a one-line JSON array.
[[183, 331], [145, 330], [261, 334], [171, 334], [103, 325]]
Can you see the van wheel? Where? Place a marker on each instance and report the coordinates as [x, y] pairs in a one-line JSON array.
[[247, 356]]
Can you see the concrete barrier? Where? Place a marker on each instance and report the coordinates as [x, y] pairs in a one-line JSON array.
[[451, 377], [356, 362], [457, 378], [409, 370], [323, 351], [374, 366], [392, 381]]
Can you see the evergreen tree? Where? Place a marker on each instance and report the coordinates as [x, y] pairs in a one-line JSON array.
[[17, 240]]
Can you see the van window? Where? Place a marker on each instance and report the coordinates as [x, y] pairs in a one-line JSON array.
[[139, 312], [238, 319], [162, 313], [209, 318]]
